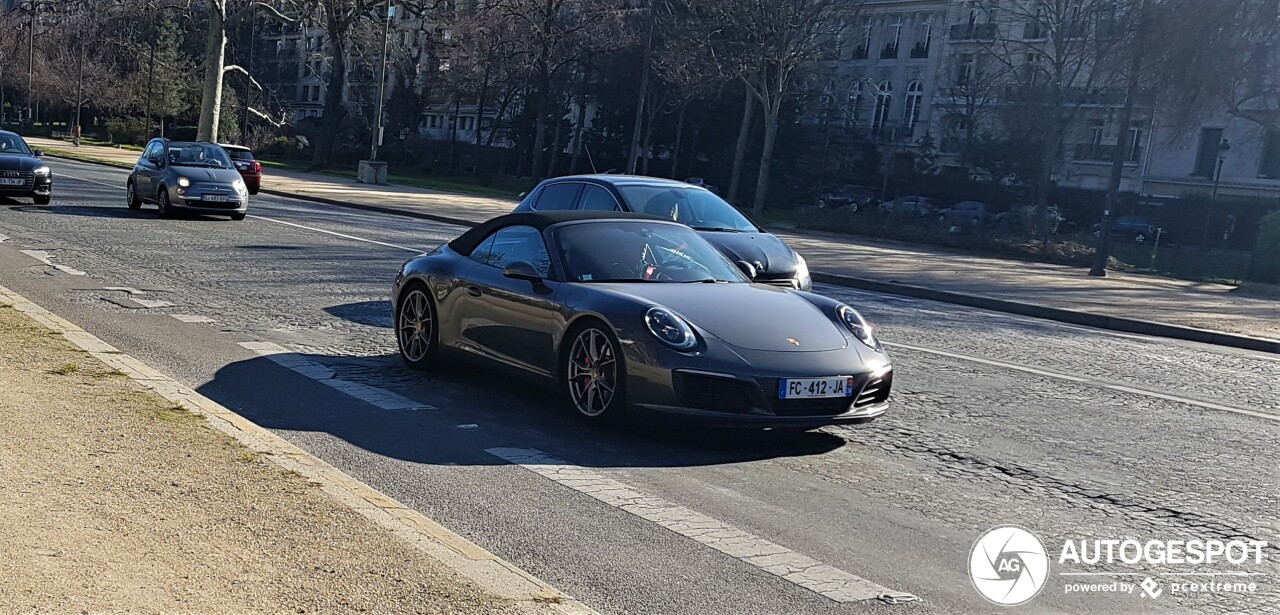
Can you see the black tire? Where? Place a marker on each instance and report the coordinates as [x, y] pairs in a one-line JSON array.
[[41, 200], [131, 197], [583, 381], [237, 217], [253, 191], [418, 340], [162, 202]]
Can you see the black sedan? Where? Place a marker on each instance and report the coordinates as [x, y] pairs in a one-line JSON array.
[[22, 173], [628, 314], [726, 228]]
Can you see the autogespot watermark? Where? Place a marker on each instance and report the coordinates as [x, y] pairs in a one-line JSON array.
[[1009, 565]]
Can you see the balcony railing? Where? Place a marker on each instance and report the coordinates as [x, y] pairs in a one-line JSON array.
[[973, 32], [889, 52], [919, 51]]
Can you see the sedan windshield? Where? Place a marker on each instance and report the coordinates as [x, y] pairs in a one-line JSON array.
[[699, 208], [198, 155], [13, 145], [640, 252]]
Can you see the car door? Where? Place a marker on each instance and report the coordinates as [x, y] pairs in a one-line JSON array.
[[145, 172], [509, 320]]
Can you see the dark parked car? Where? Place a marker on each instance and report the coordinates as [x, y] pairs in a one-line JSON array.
[[726, 228], [851, 197], [1135, 228], [197, 177], [910, 206], [967, 212], [22, 173], [627, 314], [248, 166]]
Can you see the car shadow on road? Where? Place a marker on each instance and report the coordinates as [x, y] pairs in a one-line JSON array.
[[107, 212], [472, 410], [369, 313]]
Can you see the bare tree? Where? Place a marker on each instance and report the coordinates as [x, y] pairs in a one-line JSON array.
[[223, 18]]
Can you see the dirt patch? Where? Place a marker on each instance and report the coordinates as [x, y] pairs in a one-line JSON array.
[[114, 500]]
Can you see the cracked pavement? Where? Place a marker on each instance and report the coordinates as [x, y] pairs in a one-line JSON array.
[[291, 328]]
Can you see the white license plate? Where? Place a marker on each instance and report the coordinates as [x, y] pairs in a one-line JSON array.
[[815, 388], [9, 181], [214, 198]]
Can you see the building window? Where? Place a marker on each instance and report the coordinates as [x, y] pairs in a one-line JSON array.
[[1133, 146], [865, 42], [895, 35], [1207, 154], [911, 114], [924, 37], [884, 97], [1036, 28], [1270, 167], [965, 69]]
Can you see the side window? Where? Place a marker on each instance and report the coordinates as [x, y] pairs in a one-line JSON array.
[[481, 253], [558, 196], [596, 198], [152, 150], [520, 243]]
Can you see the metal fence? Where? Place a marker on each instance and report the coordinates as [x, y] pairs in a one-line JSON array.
[[1188, 262]]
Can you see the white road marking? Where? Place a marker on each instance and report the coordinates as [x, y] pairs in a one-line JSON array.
[[342, 235], [43, 257], [385, 400], [151, 303], [192, 318], [775, 559], [126, 289], [3, 238], [1098, 383]]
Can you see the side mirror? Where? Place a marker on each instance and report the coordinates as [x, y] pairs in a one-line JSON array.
[[747, 269], [156, 160], [38, 153], [521, 270]]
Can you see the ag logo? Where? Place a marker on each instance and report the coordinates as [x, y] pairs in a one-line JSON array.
[[1008, 565]]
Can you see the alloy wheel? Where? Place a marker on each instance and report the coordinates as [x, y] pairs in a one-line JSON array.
[[414, 328], [592, 372]]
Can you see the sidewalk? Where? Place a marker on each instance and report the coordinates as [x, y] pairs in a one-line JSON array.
[[113, 500], [1029, 288]]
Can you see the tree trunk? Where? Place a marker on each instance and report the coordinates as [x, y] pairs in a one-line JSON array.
[[481, 102], [453, 134], [540, 128], [334, 111], [1118, 158], [555, 148], [215, 48], [675, 151], [647, 150], [577, 137], [744, 133], [766, 160], [634, 152]]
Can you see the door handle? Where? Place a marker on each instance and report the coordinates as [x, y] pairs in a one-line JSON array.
[[474, 291]]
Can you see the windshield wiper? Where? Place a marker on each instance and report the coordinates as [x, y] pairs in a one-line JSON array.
[[706, 281], [620, 280], [718, 229]]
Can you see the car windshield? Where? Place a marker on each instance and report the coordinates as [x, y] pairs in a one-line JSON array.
[[637, 251], [239, 154], [695, 207], [198, 155], [13, 145]]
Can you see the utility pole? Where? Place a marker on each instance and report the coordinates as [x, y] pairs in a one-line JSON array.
[[634, 152], [1213, 196], [31, 57], [382, 85], [75, 130]]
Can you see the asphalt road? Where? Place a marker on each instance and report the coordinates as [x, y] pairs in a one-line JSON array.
[[1069, 432]]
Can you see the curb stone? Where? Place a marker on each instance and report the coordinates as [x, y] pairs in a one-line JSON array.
[[1076, 317], [469, 560]]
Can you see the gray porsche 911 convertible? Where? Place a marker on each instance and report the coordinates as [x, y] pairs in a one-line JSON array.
[[628, 314]]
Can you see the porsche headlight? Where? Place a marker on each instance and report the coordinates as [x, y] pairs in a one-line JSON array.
[[184, 182], [802, 268], [858, 326], [670, 329], [41, 171]]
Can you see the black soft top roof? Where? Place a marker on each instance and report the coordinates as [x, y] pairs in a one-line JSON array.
[[468, 241]]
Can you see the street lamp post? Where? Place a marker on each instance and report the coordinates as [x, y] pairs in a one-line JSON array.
[[1223, 147], [382, 85]]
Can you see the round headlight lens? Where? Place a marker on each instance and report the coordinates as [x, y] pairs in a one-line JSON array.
[[238, 185], [41, 170], [858, 326], [670, 329], [184, 182]]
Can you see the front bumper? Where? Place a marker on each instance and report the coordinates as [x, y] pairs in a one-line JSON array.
[[735, 387], [34, 186], [192, 200]]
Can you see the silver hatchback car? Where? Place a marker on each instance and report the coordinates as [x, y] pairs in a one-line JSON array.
[[196, 177]]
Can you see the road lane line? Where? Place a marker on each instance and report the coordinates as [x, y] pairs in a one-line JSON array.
[[383, 399], [43, 257], [342, 235], [1087, 381], [823, 579]]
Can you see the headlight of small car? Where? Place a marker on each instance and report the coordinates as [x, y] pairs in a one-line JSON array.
[[802, 268], [41, 171], [670, 329], [858, 326], [239, 185], [184, 182]]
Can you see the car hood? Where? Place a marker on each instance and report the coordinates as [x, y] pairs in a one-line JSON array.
[[749, 316], [206, 175], [768, 254], [9, 162]]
